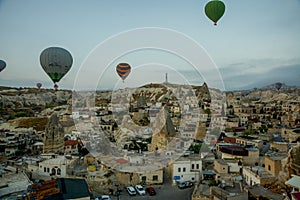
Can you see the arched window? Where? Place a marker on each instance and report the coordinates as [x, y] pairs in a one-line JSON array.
[[53, 171], [58, 171]]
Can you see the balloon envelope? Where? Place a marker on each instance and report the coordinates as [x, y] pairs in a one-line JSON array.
[[39, 85], [2, 65], [123, 70], [278, 85], [56, 62], [214, 10]]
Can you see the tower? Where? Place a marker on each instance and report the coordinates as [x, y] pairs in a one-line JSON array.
[[166, 79]]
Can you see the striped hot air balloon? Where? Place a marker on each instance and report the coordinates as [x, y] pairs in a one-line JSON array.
[[123, 70]]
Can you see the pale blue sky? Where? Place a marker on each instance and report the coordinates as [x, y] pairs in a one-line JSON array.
[[256, 42]]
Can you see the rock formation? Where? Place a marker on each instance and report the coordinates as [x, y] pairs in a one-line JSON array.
[[163, 131], [54, 135]]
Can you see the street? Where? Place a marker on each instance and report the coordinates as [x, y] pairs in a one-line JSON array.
[[166, 191]]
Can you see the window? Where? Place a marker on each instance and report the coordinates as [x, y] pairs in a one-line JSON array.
[[58, 171], [197, 166], [193, 166], [48, 170], [44, 169], [53, 171], [269, 167], [179, 169], [144, 178], [183, 169], [155, 178]]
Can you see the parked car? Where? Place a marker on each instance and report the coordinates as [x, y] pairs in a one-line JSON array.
[[140, 190], [185, 184], [151, 191], [131, 191], [103, 197]]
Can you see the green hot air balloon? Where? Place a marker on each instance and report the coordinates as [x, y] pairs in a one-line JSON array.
[[214, 10], [56, 62]]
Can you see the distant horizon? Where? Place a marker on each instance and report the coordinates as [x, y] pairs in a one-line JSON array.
[[265, 87]]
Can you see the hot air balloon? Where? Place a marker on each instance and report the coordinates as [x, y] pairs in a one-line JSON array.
[[2, 65], [38, 85], [56, 62], [123, 70], [214, 10], [278, 85]]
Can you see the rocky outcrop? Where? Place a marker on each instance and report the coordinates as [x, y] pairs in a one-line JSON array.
[[54, 135], [163, 131]]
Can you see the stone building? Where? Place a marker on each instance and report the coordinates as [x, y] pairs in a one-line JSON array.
[[54, 136], [53, 167], [247, 155], [186, 168], [71, 146], [257, 176], [279, 146], [220, 166], [273, 163], [145, 178], [226, 166]]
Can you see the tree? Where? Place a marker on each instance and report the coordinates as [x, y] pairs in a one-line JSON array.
[[207, 111]]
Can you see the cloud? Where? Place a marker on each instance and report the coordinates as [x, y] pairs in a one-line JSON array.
[[258, 74]]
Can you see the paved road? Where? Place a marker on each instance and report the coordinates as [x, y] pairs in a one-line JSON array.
[[166, 191]]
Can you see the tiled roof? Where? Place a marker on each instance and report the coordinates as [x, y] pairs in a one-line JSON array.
[[71, 142]]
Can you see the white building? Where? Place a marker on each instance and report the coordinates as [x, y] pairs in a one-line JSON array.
[[54, 167], [186, 168], [257, 176]]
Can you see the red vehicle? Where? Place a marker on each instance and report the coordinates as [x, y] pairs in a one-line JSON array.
[[151, 191]]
